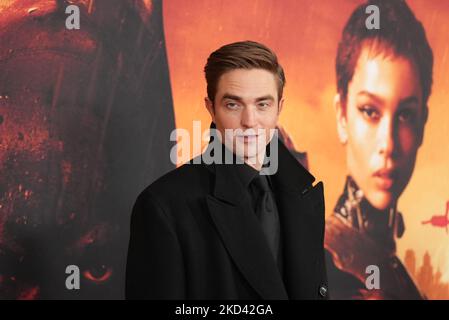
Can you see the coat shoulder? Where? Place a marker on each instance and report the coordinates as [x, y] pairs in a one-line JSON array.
[[188, 180]]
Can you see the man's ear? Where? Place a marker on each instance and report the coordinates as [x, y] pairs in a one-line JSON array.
[[340, 111], [281, 105], [210, 108]]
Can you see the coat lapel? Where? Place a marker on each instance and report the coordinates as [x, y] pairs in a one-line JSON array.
[[301, 212], [302, 226], [242, 235]]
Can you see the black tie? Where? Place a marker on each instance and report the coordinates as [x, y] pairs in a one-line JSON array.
[[268, 215]]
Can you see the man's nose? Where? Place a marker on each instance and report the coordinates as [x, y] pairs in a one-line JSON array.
[[248, 119]]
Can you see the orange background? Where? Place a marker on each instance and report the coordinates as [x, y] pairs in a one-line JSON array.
[[304, 34]]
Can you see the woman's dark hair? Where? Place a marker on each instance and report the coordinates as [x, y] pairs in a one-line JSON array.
[[400, 34]]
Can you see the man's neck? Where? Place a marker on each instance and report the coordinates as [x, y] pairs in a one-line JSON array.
[[253, 162]]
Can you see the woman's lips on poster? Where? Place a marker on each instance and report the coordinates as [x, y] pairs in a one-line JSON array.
[[386, 178]]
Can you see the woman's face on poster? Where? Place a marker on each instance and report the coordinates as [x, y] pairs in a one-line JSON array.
[[381, 124]]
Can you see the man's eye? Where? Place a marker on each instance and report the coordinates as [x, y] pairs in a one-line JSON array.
[[264, 105], [369, 112], [232, 105], [406, 116]]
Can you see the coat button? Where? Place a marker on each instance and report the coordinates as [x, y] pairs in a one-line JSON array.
[[323, 291]]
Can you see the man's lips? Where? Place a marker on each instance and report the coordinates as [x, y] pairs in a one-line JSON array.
[[248, 138], [386, 178]]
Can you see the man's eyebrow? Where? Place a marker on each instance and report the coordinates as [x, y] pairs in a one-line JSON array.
[[267, 97], [237, 98], [231, 97]]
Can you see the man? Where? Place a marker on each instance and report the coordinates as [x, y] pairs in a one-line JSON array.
[[384, 80], [218, 230]]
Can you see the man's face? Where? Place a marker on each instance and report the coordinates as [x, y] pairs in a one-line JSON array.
[[247, 103], [382, 126]]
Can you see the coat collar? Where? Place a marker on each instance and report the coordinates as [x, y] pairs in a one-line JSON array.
[[290, 177], [301, 229]]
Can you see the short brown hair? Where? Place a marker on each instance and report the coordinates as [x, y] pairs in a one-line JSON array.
[[241, 55], [400, 34]]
